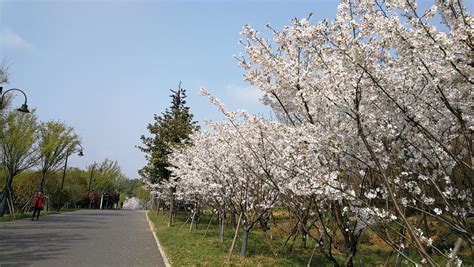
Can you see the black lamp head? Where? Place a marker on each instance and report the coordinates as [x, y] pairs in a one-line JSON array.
[[24, 108]]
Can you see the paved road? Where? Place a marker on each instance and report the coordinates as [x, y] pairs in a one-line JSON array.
[[81, 238]]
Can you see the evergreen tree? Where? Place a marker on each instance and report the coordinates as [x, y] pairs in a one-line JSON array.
[[169, 130]]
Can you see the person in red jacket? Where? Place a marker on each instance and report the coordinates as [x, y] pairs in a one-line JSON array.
[[38, 205]]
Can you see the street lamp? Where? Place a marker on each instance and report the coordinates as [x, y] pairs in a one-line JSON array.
[[90, 183], [80, 154], [23, 108]]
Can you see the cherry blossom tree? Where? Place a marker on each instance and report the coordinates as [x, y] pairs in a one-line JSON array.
[[388, 94], [375, 122]]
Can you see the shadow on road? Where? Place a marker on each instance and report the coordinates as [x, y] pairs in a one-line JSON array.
[[25, 242], [29, 248]]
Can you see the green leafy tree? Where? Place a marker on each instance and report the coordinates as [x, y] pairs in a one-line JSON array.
[[108, 179], [169, 130], [57, 141], [76, 187], [24, 187], [18, 146], [130, 185]]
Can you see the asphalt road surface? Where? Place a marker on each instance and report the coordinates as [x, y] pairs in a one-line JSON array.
[[81, 238]]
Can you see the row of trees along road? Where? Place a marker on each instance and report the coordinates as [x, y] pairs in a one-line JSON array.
[[374, 133], [35, 151]]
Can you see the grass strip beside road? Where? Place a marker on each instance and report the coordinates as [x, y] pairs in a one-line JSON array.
[[188, 248], [185, 248]]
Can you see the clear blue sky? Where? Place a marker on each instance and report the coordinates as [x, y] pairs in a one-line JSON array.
[[105, 67]]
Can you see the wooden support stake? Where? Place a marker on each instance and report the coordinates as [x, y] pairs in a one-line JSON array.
[[208, 226], [185, 222], [312, 254], [235, 238]]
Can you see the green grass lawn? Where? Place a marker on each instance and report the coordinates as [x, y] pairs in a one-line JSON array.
[[185, 248], [189, 248]]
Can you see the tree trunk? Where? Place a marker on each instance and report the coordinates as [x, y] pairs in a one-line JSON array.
[[221, 228], [304, 234], [3, 202], [43, 177], [170, 215], [62, 184], [5, 195], [245, 238], [192, 222], [197, 219], [350, 256], [157, 206], [233, 221]]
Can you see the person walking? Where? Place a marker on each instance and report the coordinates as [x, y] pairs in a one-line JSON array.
[[38, 205]]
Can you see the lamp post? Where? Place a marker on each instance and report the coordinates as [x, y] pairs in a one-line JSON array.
[[80, 154], [23, 108], [90, 183]]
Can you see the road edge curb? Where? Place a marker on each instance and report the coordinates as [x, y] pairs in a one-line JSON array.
[[41, 216], [162, 252]]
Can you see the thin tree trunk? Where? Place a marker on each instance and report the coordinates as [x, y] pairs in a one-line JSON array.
[[349, 258], [235, 238], [192, 222], [245, 238], [197, 217], [232, 218], [170, 215], [157, 206], [3, 203], [62, 184], [304, 234], [221, 228], [5, 195], [11, 208], [43, 178]]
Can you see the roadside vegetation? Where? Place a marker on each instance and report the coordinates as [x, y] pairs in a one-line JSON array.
[[105, 180], [370, 153], [186, 246]]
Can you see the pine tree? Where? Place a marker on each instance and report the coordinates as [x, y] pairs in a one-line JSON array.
[[169, 130]]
